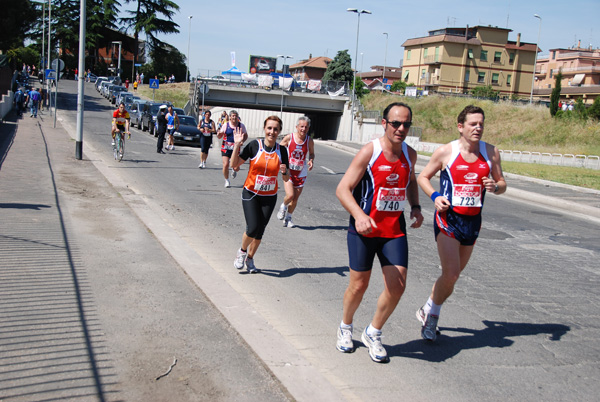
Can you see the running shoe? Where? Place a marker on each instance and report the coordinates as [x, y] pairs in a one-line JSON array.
[[287, 223], [227, 184], [282, 211], [344, 340], [250, 266], [113, 143], [233, 174], [429, 323], [200, 166], [376, 349], [240, 259]]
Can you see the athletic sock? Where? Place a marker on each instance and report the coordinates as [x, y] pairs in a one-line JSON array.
[[432, 308], [288, 216], [346, 326], [372, 331]]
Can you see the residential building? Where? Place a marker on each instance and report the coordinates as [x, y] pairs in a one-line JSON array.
[[311, 69], [374, 79], [580, 68], [461, 59]]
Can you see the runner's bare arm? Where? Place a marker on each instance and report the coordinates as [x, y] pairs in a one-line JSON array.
[[436, 163], [311, 153], [496, 183], [412, 192]]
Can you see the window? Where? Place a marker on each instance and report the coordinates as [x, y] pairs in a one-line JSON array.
[[470, 53], [437, 53], [551, 72], [495, 78], [408, 55], [467, 75], [497, 57], [483, 56], [481, 77], [554, 55], [508, 79], [405, 76], [423, 73], [425, 52], [511, 57]]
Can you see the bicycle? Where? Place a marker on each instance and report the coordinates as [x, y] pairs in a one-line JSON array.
[[119, 145]]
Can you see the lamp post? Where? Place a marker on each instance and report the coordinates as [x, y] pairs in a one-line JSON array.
[[362, 61], [187, 67], [281, 81], [535, 59], [384, 62], [358, 12], [118, 72]]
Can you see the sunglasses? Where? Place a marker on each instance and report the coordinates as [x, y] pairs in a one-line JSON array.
[[397, 124]]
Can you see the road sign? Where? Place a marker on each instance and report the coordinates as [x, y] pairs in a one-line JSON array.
[[50, 74], [153, 83], [137, 65], [57, 64], [204, 89]]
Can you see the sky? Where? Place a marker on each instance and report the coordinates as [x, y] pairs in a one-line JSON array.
[[324, 27]]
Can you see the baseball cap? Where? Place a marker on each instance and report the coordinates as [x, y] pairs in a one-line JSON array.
[[163, 107]]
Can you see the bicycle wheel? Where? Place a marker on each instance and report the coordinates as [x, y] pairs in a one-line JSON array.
[[115, 146], [121, 149]]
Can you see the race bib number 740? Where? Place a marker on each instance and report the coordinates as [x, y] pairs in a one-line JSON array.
[[466, 195], [391, 199]]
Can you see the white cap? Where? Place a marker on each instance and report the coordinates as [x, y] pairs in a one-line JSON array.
[[163, 107]]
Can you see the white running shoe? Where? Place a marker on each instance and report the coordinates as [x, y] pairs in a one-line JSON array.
[[227, 184], [344, 340], [376, 349], [282, 211], [240, 259], [287, 223], [429, 330], [250, 266], [200, 166], [113, 143], [203, 165], [233, 174]]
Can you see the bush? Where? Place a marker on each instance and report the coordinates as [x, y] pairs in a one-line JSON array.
[[485, 92]]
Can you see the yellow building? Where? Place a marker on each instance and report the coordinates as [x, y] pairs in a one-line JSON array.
[[460, 59]]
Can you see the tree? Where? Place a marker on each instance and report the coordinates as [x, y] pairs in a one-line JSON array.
[[166, 60], [146, 19], [555, 96], [398, 86], [17, 19], [340, 68], [594, 110], [361, 89], [485, 92], [580, 110]]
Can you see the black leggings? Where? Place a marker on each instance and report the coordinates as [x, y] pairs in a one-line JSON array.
[[257, 211]]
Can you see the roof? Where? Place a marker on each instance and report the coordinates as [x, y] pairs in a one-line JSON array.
[[440, 38], [379, 74], [314, 62]]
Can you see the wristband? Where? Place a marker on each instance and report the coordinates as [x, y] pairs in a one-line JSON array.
[[435, 195], [416, 206]]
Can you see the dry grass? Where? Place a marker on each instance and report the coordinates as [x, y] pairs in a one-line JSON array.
[[177, 93], [508, 126]]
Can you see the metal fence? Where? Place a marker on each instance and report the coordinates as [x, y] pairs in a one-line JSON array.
[[546, 158]]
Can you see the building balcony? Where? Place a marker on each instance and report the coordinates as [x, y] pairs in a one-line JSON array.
[[581, 70], [432, 60]]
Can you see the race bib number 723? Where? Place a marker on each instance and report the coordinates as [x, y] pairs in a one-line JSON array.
[[466, 195]]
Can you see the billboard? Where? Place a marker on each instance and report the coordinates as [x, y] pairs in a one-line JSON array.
[[262, 65]]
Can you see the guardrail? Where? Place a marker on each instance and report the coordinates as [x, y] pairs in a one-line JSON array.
[[546, 158]]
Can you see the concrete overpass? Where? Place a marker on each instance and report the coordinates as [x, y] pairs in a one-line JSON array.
[[325, 111]]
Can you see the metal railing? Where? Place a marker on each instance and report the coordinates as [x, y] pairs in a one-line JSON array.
[[546, 158]]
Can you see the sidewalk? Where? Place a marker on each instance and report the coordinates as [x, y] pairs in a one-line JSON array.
[[92, 307]]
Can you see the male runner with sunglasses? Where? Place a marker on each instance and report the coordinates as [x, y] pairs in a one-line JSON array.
[[469, 168], [375, 190]]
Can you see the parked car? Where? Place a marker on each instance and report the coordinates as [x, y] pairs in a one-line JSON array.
[[187, 133], [149, 116], [106, 88], [135, 112], [99, 81], [115, 92]]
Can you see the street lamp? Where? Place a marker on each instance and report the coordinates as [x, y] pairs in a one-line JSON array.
[[187, 67], [281, 80], [118, 42], [358, 12], [535, 59], [362, 61], [384, 62]]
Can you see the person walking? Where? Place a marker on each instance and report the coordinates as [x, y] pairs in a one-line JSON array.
[[469, 168], [227, 134], [161, 121], [375, 191], [207, 128], [172, 126], [33, 99], [259, 196], [18, 102], [301, 154]]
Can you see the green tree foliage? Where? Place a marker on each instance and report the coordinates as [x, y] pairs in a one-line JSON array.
[[580, 109], [398, 86], [17, 19], [340, 68], [361, 88], [18, 56], [485, 92], [166, 60], [151, 17], [594, 110], [555, 96]]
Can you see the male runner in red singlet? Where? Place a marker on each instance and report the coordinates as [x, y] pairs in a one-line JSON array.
[[376, 189], [301, 154], [469, 168]]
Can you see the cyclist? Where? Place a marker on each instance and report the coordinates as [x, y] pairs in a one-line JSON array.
[[120, 122]]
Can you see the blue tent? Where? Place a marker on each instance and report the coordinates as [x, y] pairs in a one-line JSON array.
[[232, 71]]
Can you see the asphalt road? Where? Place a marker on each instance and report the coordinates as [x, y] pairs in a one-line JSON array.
[[522, 323]]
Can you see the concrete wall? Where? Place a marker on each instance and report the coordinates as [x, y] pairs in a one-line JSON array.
[[6, 104]]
